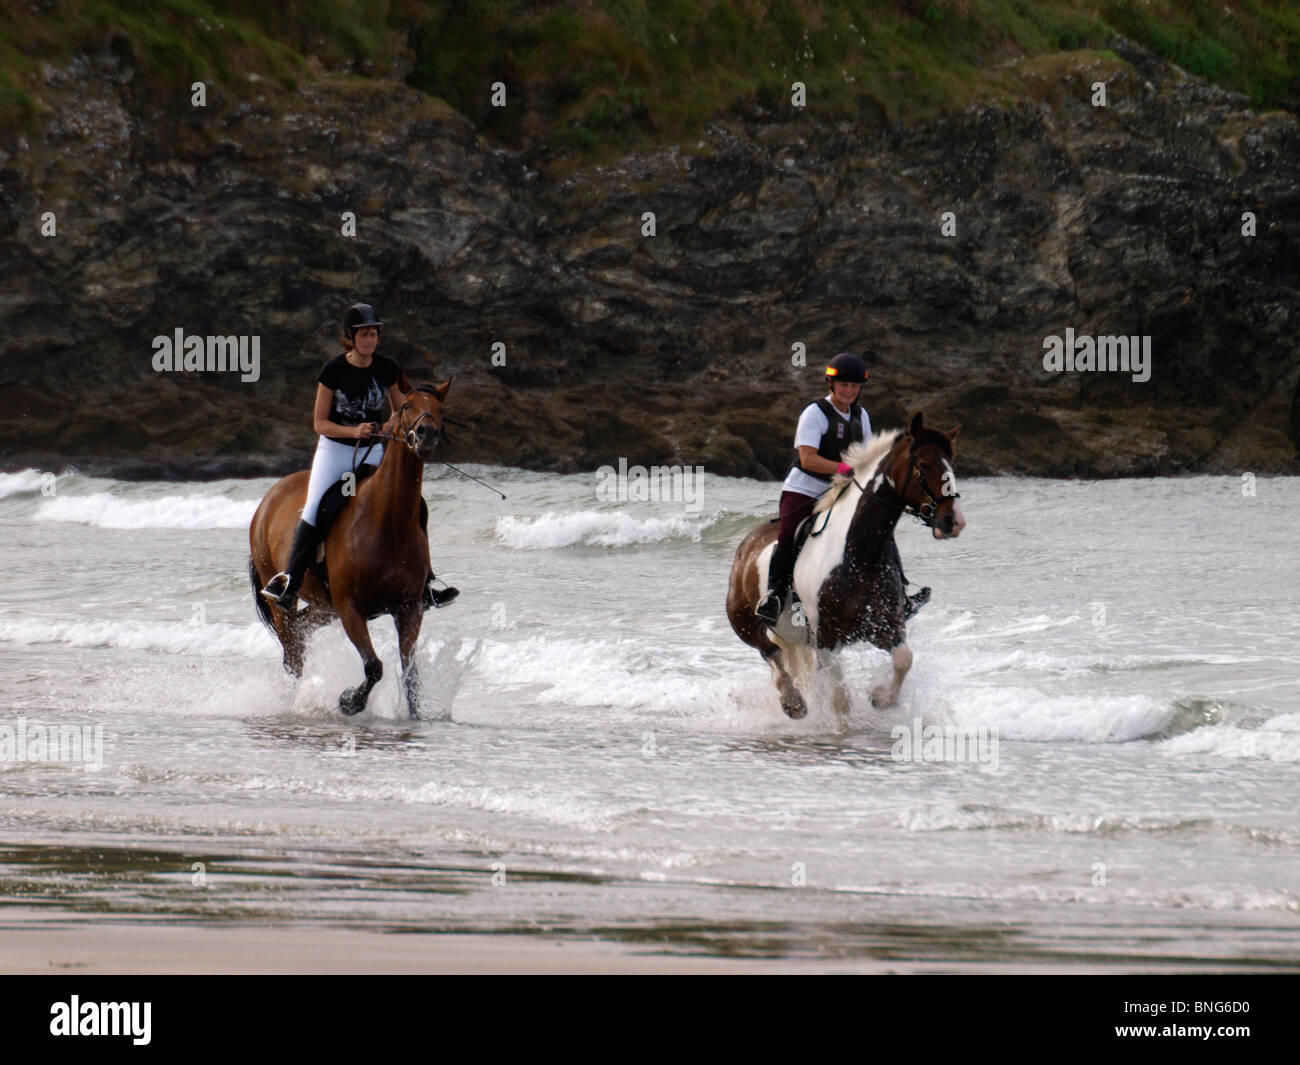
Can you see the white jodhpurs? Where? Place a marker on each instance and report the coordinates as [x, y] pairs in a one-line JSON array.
[[331, 462]]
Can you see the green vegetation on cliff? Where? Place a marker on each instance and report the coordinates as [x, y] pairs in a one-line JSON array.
[[620, 71]]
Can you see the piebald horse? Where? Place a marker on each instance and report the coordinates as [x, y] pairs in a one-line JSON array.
[[848, 584], [376, 552]]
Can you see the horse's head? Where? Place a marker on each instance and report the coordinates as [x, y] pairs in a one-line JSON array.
[[417, 423], [919, 469]]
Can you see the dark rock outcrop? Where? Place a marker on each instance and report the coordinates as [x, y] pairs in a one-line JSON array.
[[771, 230]]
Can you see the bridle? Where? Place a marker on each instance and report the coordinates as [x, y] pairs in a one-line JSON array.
[[930, 508], [406, 434], [925, 513]]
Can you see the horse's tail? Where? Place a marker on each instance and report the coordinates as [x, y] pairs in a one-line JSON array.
[[263, 607]]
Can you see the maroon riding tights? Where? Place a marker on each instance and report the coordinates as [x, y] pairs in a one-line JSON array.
[[795, 506]]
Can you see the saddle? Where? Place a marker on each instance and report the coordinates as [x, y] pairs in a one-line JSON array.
[[792, 607], [801, 532], [331, 506]]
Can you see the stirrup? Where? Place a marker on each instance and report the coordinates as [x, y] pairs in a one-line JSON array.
[[915, 602], [436, 597], [769, 609], [277, 590]]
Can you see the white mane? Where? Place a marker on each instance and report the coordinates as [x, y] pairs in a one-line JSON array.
[[864, 458]]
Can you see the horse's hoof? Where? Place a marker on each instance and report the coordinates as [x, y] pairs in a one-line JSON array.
[[883, 697], [350, 702], [794, 708]]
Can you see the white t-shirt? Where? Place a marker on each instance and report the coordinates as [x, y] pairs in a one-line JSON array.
[[812, 427]]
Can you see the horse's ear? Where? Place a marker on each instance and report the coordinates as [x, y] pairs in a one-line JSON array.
[[952, 433], [403, 382], [441, 390], [918, 424]]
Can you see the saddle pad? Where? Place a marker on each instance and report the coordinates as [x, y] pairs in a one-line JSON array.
[[333, 501]]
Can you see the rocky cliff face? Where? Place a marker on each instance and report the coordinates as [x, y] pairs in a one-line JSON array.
[[770, 230]]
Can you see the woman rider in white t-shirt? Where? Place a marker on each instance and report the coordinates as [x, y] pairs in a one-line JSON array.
[[350, 394], [826, 428]]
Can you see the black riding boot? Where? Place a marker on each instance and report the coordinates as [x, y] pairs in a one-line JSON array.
[[433, 597], [780, 570], [914, 602], [282, 589], [437, 596]]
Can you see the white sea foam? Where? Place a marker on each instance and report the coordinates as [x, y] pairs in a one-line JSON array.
[[174, 637], [636, 684], [12, 484], [1033, 715], [621, 683], [1276, 740], [108, 511], [596, 528]]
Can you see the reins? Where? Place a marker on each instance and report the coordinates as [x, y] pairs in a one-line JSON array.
[[924, 515], [407, 437], [826, 519]]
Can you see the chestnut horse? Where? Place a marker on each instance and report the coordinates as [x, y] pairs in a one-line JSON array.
[[376, 553], [849, 587]]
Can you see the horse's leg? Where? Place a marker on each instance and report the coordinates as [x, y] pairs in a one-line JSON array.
[[292, 640], [288, 630], [885, 694], [789, 664], [791, 701], [774, 654], [742, 597], [830, 661], [408, 631], [801, 660], [353, 701]]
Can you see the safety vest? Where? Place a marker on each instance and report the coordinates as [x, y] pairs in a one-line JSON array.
[[838, 436]]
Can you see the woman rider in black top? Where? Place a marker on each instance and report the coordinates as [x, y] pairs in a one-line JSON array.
[[349, 407]]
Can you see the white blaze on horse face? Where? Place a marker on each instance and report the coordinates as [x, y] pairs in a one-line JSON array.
[[949, 490], [949, 481]]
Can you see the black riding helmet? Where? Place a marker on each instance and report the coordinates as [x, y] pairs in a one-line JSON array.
[[846, 367], [358, 316]]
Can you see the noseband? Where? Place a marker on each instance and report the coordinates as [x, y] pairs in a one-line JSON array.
[[927, 510], [925, 513], [407, 435]]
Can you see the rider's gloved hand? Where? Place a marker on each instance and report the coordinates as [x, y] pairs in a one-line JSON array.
[[845, 469]]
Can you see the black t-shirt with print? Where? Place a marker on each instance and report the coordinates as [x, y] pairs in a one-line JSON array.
[[359, 393]]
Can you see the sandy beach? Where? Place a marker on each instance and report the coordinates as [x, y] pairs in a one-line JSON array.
[[173, 949]]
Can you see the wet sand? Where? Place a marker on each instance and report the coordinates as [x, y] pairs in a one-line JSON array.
[[141, 949], [174, 949]]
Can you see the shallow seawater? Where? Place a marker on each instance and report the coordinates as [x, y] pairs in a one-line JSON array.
[[599, 754]]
